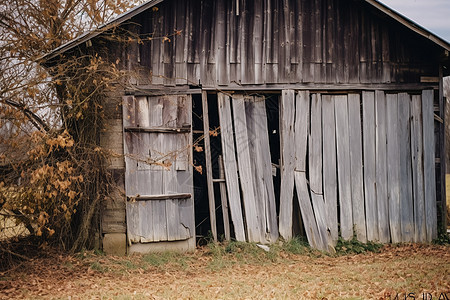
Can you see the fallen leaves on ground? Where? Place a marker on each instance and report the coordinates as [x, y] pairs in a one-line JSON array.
[[396, 271]]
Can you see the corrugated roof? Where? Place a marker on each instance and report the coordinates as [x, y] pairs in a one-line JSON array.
[[138, 9]]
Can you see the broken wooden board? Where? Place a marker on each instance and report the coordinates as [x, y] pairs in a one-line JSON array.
[[229, 159], [306, 210], [315, 172], [264, 169]]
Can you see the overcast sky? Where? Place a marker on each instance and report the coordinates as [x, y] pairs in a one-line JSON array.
[[433, 15]]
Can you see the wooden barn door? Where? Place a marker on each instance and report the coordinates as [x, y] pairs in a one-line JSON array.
[[158, 177]]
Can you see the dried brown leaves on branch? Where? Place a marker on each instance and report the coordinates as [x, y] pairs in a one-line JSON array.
[[50, 119]]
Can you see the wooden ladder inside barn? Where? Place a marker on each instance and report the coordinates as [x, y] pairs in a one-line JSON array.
[[211, 180]]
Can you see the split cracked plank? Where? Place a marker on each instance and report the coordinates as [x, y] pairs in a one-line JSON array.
[[315, 173], [229, 160], [245, 171]]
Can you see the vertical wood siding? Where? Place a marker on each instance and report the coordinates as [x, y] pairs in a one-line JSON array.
[[214, 43]]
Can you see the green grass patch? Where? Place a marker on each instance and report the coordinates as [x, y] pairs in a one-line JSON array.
[[354, 246]]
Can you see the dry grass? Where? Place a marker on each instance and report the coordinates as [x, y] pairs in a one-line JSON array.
[[238, 272]]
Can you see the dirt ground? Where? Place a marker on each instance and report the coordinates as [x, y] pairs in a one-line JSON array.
[[397, 272]]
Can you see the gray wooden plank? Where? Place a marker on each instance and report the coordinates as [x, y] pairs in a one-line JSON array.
[[369, 149], [429, 164], [315, 145], [329, 165], [209, 175], [170, 111], [315, 172], [229, 159], [393, 166], [356, 166], [252, 124], [405, 176], [301, 129], [287, 153], [265, 169], [320, 215], [245, 171], [304, 201], [417, 169], [343, 163], [382, 206], [146, 209], [132, 211], [224, 199]]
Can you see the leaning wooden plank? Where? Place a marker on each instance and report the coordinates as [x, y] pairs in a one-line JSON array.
[[329, 165], [287, 112], [252, 124], [245, 170], [369, 145], [393, 166], [343, 163], [309, 221], [209, 175], [356, 166], [229, 160], [382, 206], [406, 201], [429, 164], [420, 231], [262, 134]]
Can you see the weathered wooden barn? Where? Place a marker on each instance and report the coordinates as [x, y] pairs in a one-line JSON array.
[[268, 118]]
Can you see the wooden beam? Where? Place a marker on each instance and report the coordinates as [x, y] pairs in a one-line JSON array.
[[209, 176], [158, 129]]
